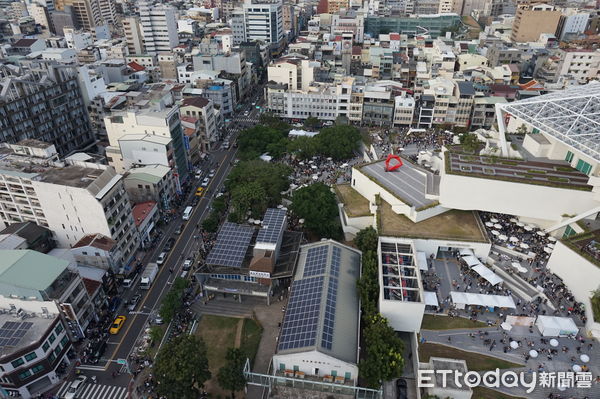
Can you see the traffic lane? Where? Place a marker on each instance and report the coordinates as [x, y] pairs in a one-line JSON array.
[[174, 262]]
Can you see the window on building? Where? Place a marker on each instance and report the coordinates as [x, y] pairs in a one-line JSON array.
[[583, 167], [46, 346], [64, 341], [569, 156], [568, 232], [37, 369], [59, 328], [52, 338], [30, 356], [16, 363], [24, 375]]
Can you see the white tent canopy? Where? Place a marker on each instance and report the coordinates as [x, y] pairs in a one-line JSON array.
[[469, 298], [299, 133], [551, 326], [487, 274], [430, 298], [422, 261], [471, 260], [466, 251]]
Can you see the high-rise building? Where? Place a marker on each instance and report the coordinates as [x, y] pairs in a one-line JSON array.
[[533, 19], [133, 35], [89, 13], [44, 103], [259, 22], [70, 197], [159, 27]]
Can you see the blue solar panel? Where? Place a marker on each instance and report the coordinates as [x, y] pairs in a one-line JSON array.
[[316, 261], [328, 322], [272, 226], [231, 246], [336, 259], [302, 315]]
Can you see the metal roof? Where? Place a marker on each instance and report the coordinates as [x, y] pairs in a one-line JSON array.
[[29, 269], [323, 308], [571, 116]]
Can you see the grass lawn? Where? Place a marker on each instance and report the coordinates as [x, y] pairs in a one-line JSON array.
[[251, 334], [486, 393], [355, 204], [431, 322], [451, 225], [219, 334], [475, 361]]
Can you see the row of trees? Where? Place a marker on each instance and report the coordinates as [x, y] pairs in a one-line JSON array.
[[382, 358], [339, 142], [181, 369], [173, 300]]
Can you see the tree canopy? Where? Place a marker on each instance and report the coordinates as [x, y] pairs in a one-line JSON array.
[[339, 142], [383, 360], [469, 142], [366, 239], [231, 375], [181, 368], [256, 185], [173, 300], [368, 284], [261, 139], [311, 122], [304, 147], [317, 205]]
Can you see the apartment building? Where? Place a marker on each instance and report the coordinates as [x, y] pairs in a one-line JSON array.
[[203, 109], [404, 111], [349, 21], [144, 136], [207, 84], [72, 198], [152, 183], [233, 64], [261, 22], [132, 28], [378, 106], [43, 102], [36, 346], [501, 55], [532, 20], [296, 72], [159, 27], [484, 111]]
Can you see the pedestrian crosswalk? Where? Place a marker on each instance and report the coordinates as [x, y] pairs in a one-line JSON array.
[[96, 391]]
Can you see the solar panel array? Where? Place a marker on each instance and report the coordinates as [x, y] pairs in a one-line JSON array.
[[316, 261], [231, 246], [302, 315], [272, 226], [12, 332], [328, 322]]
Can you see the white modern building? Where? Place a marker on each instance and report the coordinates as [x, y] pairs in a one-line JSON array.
[[159, 27], [401, 298], [319, 336]]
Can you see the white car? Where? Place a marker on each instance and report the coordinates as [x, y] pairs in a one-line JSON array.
[[205, 182], [76, 387], [161, 258], [187, 264], [211, 174]]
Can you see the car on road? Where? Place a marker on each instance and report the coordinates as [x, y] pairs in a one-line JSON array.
[[198, 174], [205, 182], [133, 302], [178, 230], [211, 174], [226, 145], [75, 387], [161, 258], [187, 265], [200, 191], [169, 244], [401, 389], [246, 113], [158, 320], [117, 325]]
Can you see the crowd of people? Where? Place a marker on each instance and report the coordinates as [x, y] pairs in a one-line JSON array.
[[319, 169], [410, 142]]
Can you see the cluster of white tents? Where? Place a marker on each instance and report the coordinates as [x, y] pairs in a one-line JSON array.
[[471, 260], [462, 299]]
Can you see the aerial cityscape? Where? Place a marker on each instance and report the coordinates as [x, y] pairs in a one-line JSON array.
[[312, 199]]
